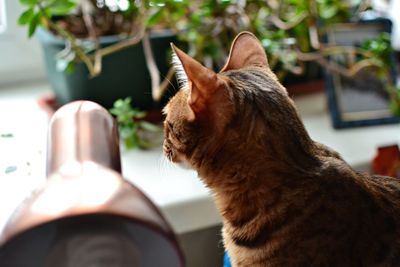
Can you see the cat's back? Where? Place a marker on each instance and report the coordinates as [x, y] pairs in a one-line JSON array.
[[337, 217], [385, 189], [362, 216], [374, 193]]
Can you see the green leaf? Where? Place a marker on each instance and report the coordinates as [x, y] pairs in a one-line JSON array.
[[394, 107], [137, 114], [328, 12], [126, 132], [33, 24], [70, 68], [61, 7], [147, 126], [6, 135], [154, 18], [26, 17], [65, 61], [395, 101], [10, 169], [62, 64], [30, 3], [144, 144], [131, 126]]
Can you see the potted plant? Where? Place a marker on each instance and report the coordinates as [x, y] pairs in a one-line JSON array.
[[292, 33], [104, 50]]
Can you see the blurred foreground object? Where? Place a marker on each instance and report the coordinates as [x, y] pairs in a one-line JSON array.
[[86, 214]]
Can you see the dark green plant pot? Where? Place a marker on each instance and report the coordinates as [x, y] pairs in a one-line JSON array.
[[124, 73]]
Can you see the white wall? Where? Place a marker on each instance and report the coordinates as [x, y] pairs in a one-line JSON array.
[[20, 58], [2, 16]]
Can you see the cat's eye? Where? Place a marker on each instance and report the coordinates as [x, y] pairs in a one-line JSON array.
[[167, 128], [169, 125]]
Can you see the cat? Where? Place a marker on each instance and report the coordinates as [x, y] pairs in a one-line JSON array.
[[285, 200]]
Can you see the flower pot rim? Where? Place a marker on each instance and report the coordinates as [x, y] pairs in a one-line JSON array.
[[46, 36]]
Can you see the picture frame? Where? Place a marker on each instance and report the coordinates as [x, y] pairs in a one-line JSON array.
[[362, 99]]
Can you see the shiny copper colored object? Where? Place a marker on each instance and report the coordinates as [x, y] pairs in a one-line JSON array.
[[86, 214]]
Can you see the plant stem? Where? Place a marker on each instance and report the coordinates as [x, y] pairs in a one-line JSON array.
[[70, 38], [287, 25], [87, 18], [319, 57], [152, 67], [78, 50], [123, 44], [312, 24], [166, 82]]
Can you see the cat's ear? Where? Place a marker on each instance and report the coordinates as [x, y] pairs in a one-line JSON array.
[[201, 81], [246, 51]]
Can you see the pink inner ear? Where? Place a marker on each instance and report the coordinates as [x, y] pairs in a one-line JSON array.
[[246, 51], [193, 95]]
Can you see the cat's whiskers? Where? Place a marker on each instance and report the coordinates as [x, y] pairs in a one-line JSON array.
[[164, 165], [168, 89]]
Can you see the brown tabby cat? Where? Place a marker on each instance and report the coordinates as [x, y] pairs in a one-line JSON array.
[[285, 199]]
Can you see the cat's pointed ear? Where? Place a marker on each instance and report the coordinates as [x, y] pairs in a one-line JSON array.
[[202, 82], [246, 51]]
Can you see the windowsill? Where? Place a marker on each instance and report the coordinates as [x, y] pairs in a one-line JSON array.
[[24, 151], [184, 200]]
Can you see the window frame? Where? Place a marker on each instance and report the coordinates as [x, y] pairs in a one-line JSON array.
[[3, 18], [20, 58]]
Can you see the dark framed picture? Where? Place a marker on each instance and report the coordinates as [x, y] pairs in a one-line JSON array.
[[360, 100]]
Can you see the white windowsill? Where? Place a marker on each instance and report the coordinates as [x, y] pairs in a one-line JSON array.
[[181, 196]]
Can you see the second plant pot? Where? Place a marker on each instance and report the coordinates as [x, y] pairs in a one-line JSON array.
[[124, 73]]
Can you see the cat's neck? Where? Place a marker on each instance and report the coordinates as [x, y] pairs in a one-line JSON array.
[[296, 155], [247, 188], [252, 176], [256, 162]]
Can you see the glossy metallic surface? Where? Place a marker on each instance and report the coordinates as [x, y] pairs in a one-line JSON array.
[[79, 132], [84, 180]]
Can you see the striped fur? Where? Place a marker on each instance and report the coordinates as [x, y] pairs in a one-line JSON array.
[[285, 200]]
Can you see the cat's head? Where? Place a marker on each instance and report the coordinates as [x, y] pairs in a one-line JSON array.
[[216, 114]]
